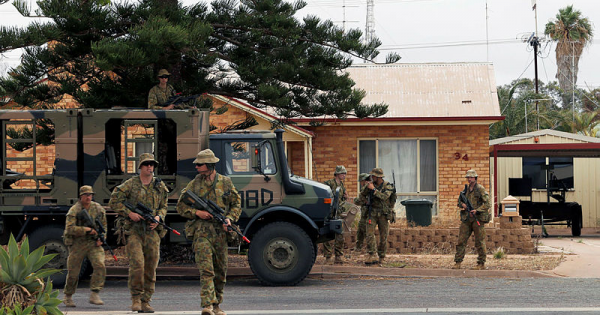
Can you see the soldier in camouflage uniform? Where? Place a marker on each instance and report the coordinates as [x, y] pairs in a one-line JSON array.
[[345, 209], [363, 178], [161, 92], [480, 200], [377, 192], [143, 238], [209, 236], [82, 239]]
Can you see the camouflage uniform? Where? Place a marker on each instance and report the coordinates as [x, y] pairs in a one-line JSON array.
[[480, 200], [379, 214], [142, 243], [209, 237], [362, 224], [82, 245], [157, 96], [343, 208]]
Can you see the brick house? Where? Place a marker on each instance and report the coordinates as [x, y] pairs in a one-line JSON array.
[[436, 128]]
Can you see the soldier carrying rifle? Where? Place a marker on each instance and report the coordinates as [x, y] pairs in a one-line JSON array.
[[83, 240], [161, 92], [474, 204], [210, 235], [143, 237]]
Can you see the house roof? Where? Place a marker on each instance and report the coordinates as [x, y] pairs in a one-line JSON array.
[[430, 89], [243, 105], [433, 92], [545, 136], [544, 143]]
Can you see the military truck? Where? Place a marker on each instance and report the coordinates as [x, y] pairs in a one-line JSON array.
[[285, 216]]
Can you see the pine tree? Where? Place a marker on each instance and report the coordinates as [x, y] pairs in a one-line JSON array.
[[108, 54]]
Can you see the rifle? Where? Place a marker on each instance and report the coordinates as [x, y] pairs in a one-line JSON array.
[[336, 203], [394, 197], [179, 99], [146, 213], [196, 202], [463, 198], [101, 232], [370, 201]]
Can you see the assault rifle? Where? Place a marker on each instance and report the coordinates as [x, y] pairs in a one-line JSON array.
[[146, 214], [99, 228], [463, 199], [336, 203], [101, 232], [179, 100], [370, 201], [393, 198], [196, 202]]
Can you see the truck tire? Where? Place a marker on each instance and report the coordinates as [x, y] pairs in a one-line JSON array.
[[576, 223], [281, 254], [51, 237]]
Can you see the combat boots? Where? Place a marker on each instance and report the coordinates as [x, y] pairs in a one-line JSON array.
[[381, 260], [372, 259], [217, 310], [339, 260], [479, 266], [456, 266], [208, 310], [136, 304], [146, 308], [95, 299], [69, 300]]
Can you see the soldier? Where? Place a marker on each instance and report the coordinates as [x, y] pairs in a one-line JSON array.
[[346, 210], [209, 236], [161, 92], [473, 221], [378, 192], [82, 239], [361, 201], [143, 238]]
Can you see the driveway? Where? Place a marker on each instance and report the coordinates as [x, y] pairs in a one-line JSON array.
[[582, 253]]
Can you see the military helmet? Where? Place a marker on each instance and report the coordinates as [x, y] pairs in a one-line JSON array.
[[147, 157], [377, 172], [471, 173], [163, 72], [86, 189], [206, 156], [363, 176], [340, 169]]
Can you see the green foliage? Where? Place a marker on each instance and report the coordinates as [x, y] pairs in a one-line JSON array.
[[21, 278], [16, 310], [253, 50], [44, 134], [499, 253]]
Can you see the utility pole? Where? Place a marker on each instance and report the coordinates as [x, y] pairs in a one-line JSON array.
[[535, 42]]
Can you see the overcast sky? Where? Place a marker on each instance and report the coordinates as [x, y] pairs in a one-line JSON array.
[[425, 31]]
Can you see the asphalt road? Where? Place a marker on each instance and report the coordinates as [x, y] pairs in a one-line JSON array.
[[365, 296]]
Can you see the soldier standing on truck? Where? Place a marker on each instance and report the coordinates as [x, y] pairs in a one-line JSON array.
[[379, 192], [472, 220], [361, 201], [209, 236], [161, 92], [82, 238], [143, 238], [346, 210]]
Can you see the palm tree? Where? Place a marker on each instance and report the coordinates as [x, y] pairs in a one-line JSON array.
[[572, 32]]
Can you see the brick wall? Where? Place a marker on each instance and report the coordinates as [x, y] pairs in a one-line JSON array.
[[443, 240], [232, 115], [337, 145]]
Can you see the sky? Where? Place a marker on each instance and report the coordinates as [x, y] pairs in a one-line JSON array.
[[430, 31]]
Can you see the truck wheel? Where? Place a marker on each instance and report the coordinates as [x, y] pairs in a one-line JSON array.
[[576, 223], [51, 237], [281, 253]]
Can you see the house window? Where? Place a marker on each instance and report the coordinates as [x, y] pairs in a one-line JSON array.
[[413, 162], [559, 169]]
